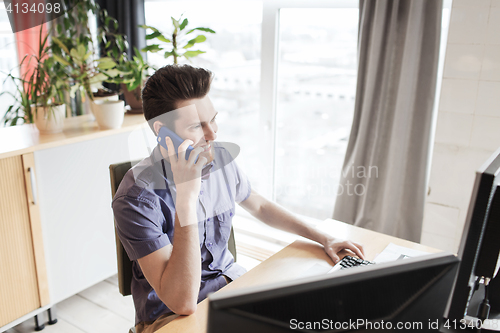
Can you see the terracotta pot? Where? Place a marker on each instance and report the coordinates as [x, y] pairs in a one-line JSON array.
[[114, 97], [133, 99], [49, 119]]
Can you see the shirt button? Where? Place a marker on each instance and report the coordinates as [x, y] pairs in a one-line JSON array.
[[209, 244], [201, 192], [231, 214]]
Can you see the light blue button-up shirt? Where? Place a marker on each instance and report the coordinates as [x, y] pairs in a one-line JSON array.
[[144, 209]]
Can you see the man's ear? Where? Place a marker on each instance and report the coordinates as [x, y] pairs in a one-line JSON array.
[[157, 125]]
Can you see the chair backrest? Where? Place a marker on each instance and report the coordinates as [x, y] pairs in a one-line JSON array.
[[117, 172]]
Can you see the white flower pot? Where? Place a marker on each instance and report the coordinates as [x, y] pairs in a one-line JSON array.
[[109, 114], [49, 119]]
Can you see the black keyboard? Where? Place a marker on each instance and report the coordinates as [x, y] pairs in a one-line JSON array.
[[348, 262]]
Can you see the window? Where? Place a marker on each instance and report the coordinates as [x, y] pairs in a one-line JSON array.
[[309, 63], [8, 60], [233, 55], [317, 70], [285, 81]]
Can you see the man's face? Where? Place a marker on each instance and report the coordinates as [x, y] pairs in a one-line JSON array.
[[196, 122]]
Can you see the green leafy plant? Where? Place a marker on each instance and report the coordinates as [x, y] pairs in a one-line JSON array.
[[135, 72], [74, 48], [130, 72], [85, 71], [180, 42], [43, 86]]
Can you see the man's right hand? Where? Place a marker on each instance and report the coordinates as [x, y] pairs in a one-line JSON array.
[[187, 173]]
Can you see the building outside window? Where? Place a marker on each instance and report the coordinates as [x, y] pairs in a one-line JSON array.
[[314, 87]]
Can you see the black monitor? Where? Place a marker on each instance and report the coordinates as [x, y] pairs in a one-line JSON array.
[[478, 252], [377, 298]]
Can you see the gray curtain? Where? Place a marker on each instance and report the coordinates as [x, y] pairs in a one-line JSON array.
[[129, 14], [384, 174]]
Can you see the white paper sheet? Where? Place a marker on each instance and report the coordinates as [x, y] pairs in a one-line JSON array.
[[394, 252]]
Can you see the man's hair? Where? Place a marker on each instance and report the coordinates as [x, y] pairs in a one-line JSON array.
[[172, 84]]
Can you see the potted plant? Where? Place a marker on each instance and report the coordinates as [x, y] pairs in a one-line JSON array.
[[73, 46], [75, 49], [135, 72], [85, 71], [39, 97], [179, 36], [131, 73]]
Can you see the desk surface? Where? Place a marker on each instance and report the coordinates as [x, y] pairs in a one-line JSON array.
[[290, 263]]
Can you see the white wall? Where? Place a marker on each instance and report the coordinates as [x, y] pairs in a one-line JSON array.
[[468, 124]]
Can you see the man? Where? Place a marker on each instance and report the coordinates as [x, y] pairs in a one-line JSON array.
[[173, 215]]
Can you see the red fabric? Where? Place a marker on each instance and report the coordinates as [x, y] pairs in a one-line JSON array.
[[28, 39]]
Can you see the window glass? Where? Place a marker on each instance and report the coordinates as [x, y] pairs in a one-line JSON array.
[[233, 55], [316, 87]]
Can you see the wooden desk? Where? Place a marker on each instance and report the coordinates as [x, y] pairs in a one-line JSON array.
[[290, 263]]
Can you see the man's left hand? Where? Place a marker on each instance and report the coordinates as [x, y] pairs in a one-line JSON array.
[[333, 246]]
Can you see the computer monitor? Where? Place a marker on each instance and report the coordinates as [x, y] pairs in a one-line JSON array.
[[479, 248], [411, 293]]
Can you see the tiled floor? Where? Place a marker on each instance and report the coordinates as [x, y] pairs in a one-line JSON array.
[[99, 309]]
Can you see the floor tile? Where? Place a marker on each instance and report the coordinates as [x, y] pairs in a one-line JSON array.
[[113, 280], [91, 317], [61, 326], [107, 295]]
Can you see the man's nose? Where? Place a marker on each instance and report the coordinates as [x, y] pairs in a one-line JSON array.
[[210, 133]]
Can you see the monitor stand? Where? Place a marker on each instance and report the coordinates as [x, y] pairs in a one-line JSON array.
[[491, 325]]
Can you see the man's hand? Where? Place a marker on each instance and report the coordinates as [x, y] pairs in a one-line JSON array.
[[333, 246], [187, 173]]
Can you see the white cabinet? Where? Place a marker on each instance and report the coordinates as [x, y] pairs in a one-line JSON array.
[[65, 242], [75, 207]]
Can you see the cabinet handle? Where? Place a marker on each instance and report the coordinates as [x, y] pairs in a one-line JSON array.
[[33, 185]]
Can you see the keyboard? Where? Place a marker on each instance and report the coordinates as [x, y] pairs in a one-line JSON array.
[[348, 262]]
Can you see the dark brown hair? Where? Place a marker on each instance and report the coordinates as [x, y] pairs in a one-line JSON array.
[[170, 85]]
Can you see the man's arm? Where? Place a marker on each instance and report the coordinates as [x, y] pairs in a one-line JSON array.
[[174, 272], [277, 217]]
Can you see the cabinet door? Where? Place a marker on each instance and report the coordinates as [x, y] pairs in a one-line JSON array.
[[76, 215], [19, 279]]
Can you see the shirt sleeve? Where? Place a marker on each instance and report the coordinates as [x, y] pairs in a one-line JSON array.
[[243, 187], [139, 225]]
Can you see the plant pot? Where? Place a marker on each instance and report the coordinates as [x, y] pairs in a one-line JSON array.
[[49, 119], [133, 99], [107, 97], [101, 99], [109, 114]]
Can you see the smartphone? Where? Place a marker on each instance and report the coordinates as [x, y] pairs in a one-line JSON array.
[[176, 140]]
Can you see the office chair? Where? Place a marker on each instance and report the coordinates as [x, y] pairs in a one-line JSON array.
[[117, 172]]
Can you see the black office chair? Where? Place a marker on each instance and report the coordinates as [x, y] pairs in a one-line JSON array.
[[117, 172]]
